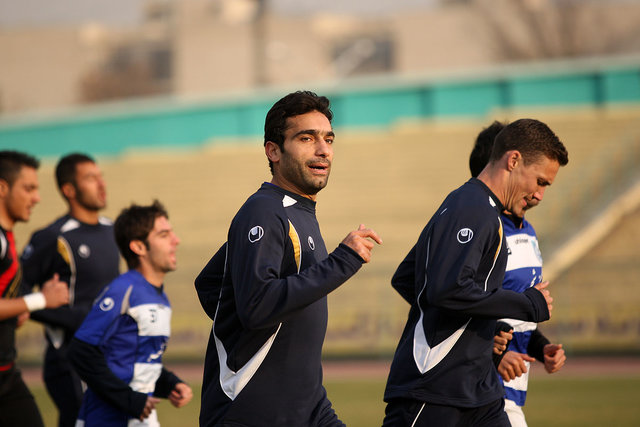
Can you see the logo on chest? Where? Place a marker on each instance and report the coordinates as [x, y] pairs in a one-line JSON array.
[[84, 251], [256, 234], [465, 235], [312, 244]]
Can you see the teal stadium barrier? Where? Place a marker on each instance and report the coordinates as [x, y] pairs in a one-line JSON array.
[[376, 102]]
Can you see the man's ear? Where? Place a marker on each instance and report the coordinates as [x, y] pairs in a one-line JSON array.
[[273, 152], [138, 247], [4, 188], [513, 158], [68, 191]]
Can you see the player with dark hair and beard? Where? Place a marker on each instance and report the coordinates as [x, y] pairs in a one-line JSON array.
[[266, 289], [81, 248]]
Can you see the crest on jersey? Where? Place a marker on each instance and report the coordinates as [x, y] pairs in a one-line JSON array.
[[84, 251], [107, 304], [465, 235], [256, 234], [28, 250], [312, 244]]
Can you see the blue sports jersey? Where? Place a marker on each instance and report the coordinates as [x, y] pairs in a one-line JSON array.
[[130, 324], [524, 270]]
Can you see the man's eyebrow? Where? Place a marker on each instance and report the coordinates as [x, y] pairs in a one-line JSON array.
[[315, 132]]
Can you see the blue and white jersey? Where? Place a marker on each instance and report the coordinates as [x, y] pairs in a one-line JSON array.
[[130, 324], [524, 270]]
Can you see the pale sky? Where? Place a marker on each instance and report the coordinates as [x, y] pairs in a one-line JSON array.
[[127, 12]]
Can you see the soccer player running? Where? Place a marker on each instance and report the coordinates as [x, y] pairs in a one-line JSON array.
[[118, 348], [18, 195], [266, 289], [524, 269], [442, 372], [80, 247]]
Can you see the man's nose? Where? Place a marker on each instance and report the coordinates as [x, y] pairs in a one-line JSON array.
[[539, 194]]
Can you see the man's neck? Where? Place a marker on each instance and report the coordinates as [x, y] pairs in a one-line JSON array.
[[5, 221], [84, 215], [495, 180], [156, 278], [286, 186]]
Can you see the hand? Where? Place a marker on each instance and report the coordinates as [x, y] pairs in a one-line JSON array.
[[22, 318], [357, 240], [149, 406], [55, 292], [554, 357], [501, 341], [513, 365], [180, 395], [545, 292]]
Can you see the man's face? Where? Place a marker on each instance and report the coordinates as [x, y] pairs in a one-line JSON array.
[[162, 242], [305, 162], [23, 195], [91, 191], [527, 184]]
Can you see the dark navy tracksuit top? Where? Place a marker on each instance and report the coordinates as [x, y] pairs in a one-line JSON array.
[[452, 278], [266, 293]]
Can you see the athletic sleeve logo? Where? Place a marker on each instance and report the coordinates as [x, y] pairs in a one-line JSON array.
[[312, 244], [256, 234], [107, 304], [465, 235]]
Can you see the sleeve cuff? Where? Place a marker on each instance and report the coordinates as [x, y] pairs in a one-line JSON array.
[[351, 251]]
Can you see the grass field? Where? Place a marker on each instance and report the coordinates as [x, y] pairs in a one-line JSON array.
[[558, 400]]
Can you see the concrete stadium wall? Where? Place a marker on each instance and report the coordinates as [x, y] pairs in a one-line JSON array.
[[374, 102]]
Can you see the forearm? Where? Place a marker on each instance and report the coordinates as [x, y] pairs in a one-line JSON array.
[[209, 282], [166, 383], [12, 307], [536, 345], [473, 301], [268, 302], [91, 366], [68, 318], [403, 280]]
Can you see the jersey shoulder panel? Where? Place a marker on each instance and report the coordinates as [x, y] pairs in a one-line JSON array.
[[260, 213], [45, 237], [105, 221]]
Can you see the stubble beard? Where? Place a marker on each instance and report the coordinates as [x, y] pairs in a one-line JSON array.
[[89, 204], [299, 175]]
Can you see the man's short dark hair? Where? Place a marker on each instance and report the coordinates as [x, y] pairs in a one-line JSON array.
[[293, 104], [135, 223], [12, 161], [482, 149], [66, 168], [532, 139]]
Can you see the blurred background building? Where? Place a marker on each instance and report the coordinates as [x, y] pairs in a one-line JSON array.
[[196, 48]]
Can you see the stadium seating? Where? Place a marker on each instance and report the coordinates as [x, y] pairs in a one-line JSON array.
[[389, 179]]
